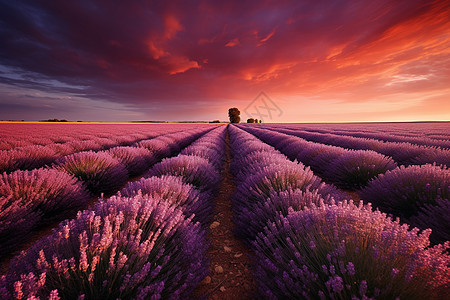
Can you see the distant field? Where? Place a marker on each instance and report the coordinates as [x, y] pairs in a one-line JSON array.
[[299, 198]]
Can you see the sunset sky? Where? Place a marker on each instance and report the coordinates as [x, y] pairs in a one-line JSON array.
[[317, 61]]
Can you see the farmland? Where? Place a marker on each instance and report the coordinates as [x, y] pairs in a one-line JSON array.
[[181, 211]]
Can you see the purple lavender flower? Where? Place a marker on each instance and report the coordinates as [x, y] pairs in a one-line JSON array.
[[7, 160], [344, 263], [195, 170]]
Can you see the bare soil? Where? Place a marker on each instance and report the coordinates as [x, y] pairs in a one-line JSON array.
[[230, 269]]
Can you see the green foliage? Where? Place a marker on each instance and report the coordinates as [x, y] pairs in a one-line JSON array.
[[234, 115]]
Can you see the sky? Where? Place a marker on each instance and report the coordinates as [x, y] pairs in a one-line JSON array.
[[279, 61]]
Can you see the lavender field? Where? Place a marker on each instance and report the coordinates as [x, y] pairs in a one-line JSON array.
[[326, 211]]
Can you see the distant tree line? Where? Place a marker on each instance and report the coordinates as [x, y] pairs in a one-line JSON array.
[[54, 120]]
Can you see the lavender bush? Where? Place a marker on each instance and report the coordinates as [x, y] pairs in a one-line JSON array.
[[256, 161], [252, 219], [249, 147], [409, 191], [99, 171], [436, 217], [32, 157], [84, 145], [170, 144], [345, 251], [213, 155], [402, 153], [289, 145], [348, 169], [176, 192], [195, 170], [404, 190], [26, 158], [7, 161], [277, 178], [127, 248], [136, 160], [355, 169], [32, 198], [321, 162], [436, 156], [159, 147]]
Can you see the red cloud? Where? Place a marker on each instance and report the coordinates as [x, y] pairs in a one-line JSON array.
[[142, 53]]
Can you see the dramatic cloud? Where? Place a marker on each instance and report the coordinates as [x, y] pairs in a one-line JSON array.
[[185, 60]]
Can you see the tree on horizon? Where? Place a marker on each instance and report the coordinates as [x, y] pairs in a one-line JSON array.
[[234, 115]]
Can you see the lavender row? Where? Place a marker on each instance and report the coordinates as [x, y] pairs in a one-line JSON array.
[[192, 176], [348, 169], [433, 130], [402, 153], [306, 246], [107, 171], [36, 156], [419, 195], [268, 183], [383, 134], [162, 247], [29, 199]]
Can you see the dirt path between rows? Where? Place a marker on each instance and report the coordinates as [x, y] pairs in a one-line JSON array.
[[230, 275]]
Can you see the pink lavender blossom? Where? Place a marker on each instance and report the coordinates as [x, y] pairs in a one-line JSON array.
[[254, 162], [137, 247], [176, 192]]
